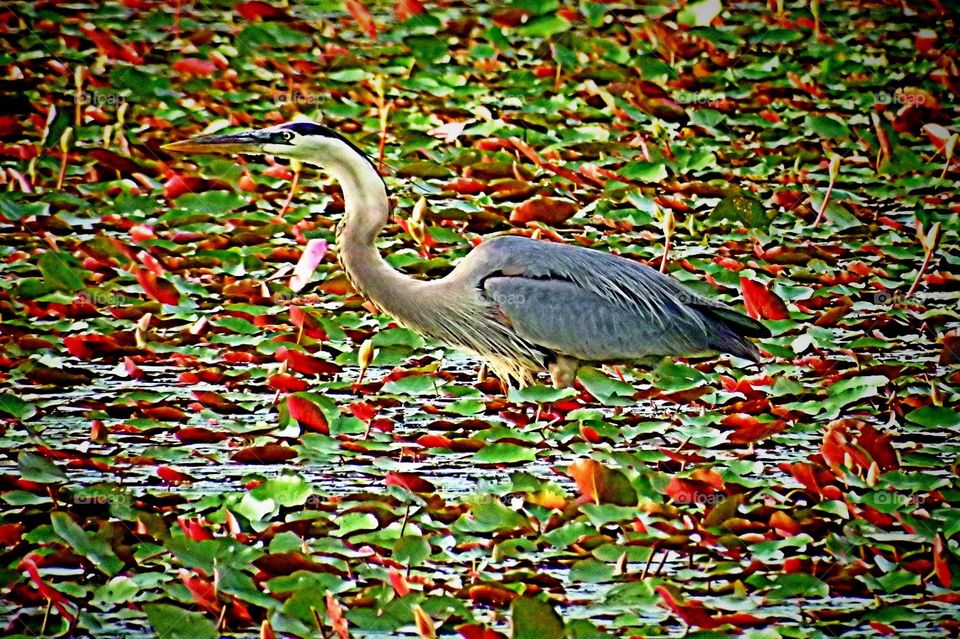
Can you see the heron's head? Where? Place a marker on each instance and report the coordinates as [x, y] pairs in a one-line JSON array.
[[305, 141]]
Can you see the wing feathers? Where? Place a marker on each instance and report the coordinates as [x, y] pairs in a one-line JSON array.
[[598, 306]]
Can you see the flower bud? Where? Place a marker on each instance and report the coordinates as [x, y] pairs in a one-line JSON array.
[[834, 167], [365, 357]]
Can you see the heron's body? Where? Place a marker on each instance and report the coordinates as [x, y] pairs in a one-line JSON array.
[[522, 305]]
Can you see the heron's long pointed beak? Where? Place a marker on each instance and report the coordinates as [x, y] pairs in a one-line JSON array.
[[248, 142]]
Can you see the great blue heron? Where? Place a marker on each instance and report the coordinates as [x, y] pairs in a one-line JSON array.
[[520, 304]]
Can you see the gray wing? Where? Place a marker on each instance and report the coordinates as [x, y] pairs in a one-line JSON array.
[[596, 306]]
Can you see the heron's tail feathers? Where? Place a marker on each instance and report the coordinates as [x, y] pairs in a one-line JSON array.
[[733, 332], [738, 346], [736, 322]]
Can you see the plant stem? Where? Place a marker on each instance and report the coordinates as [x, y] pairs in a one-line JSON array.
[[923, 269], [293, 191], [823, 207]]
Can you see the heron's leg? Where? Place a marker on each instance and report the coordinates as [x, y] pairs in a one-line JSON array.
[[563, 370]]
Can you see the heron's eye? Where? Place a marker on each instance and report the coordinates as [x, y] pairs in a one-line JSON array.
[[287, 136]]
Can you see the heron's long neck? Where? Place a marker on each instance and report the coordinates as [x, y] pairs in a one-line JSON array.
[[366, 212]]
